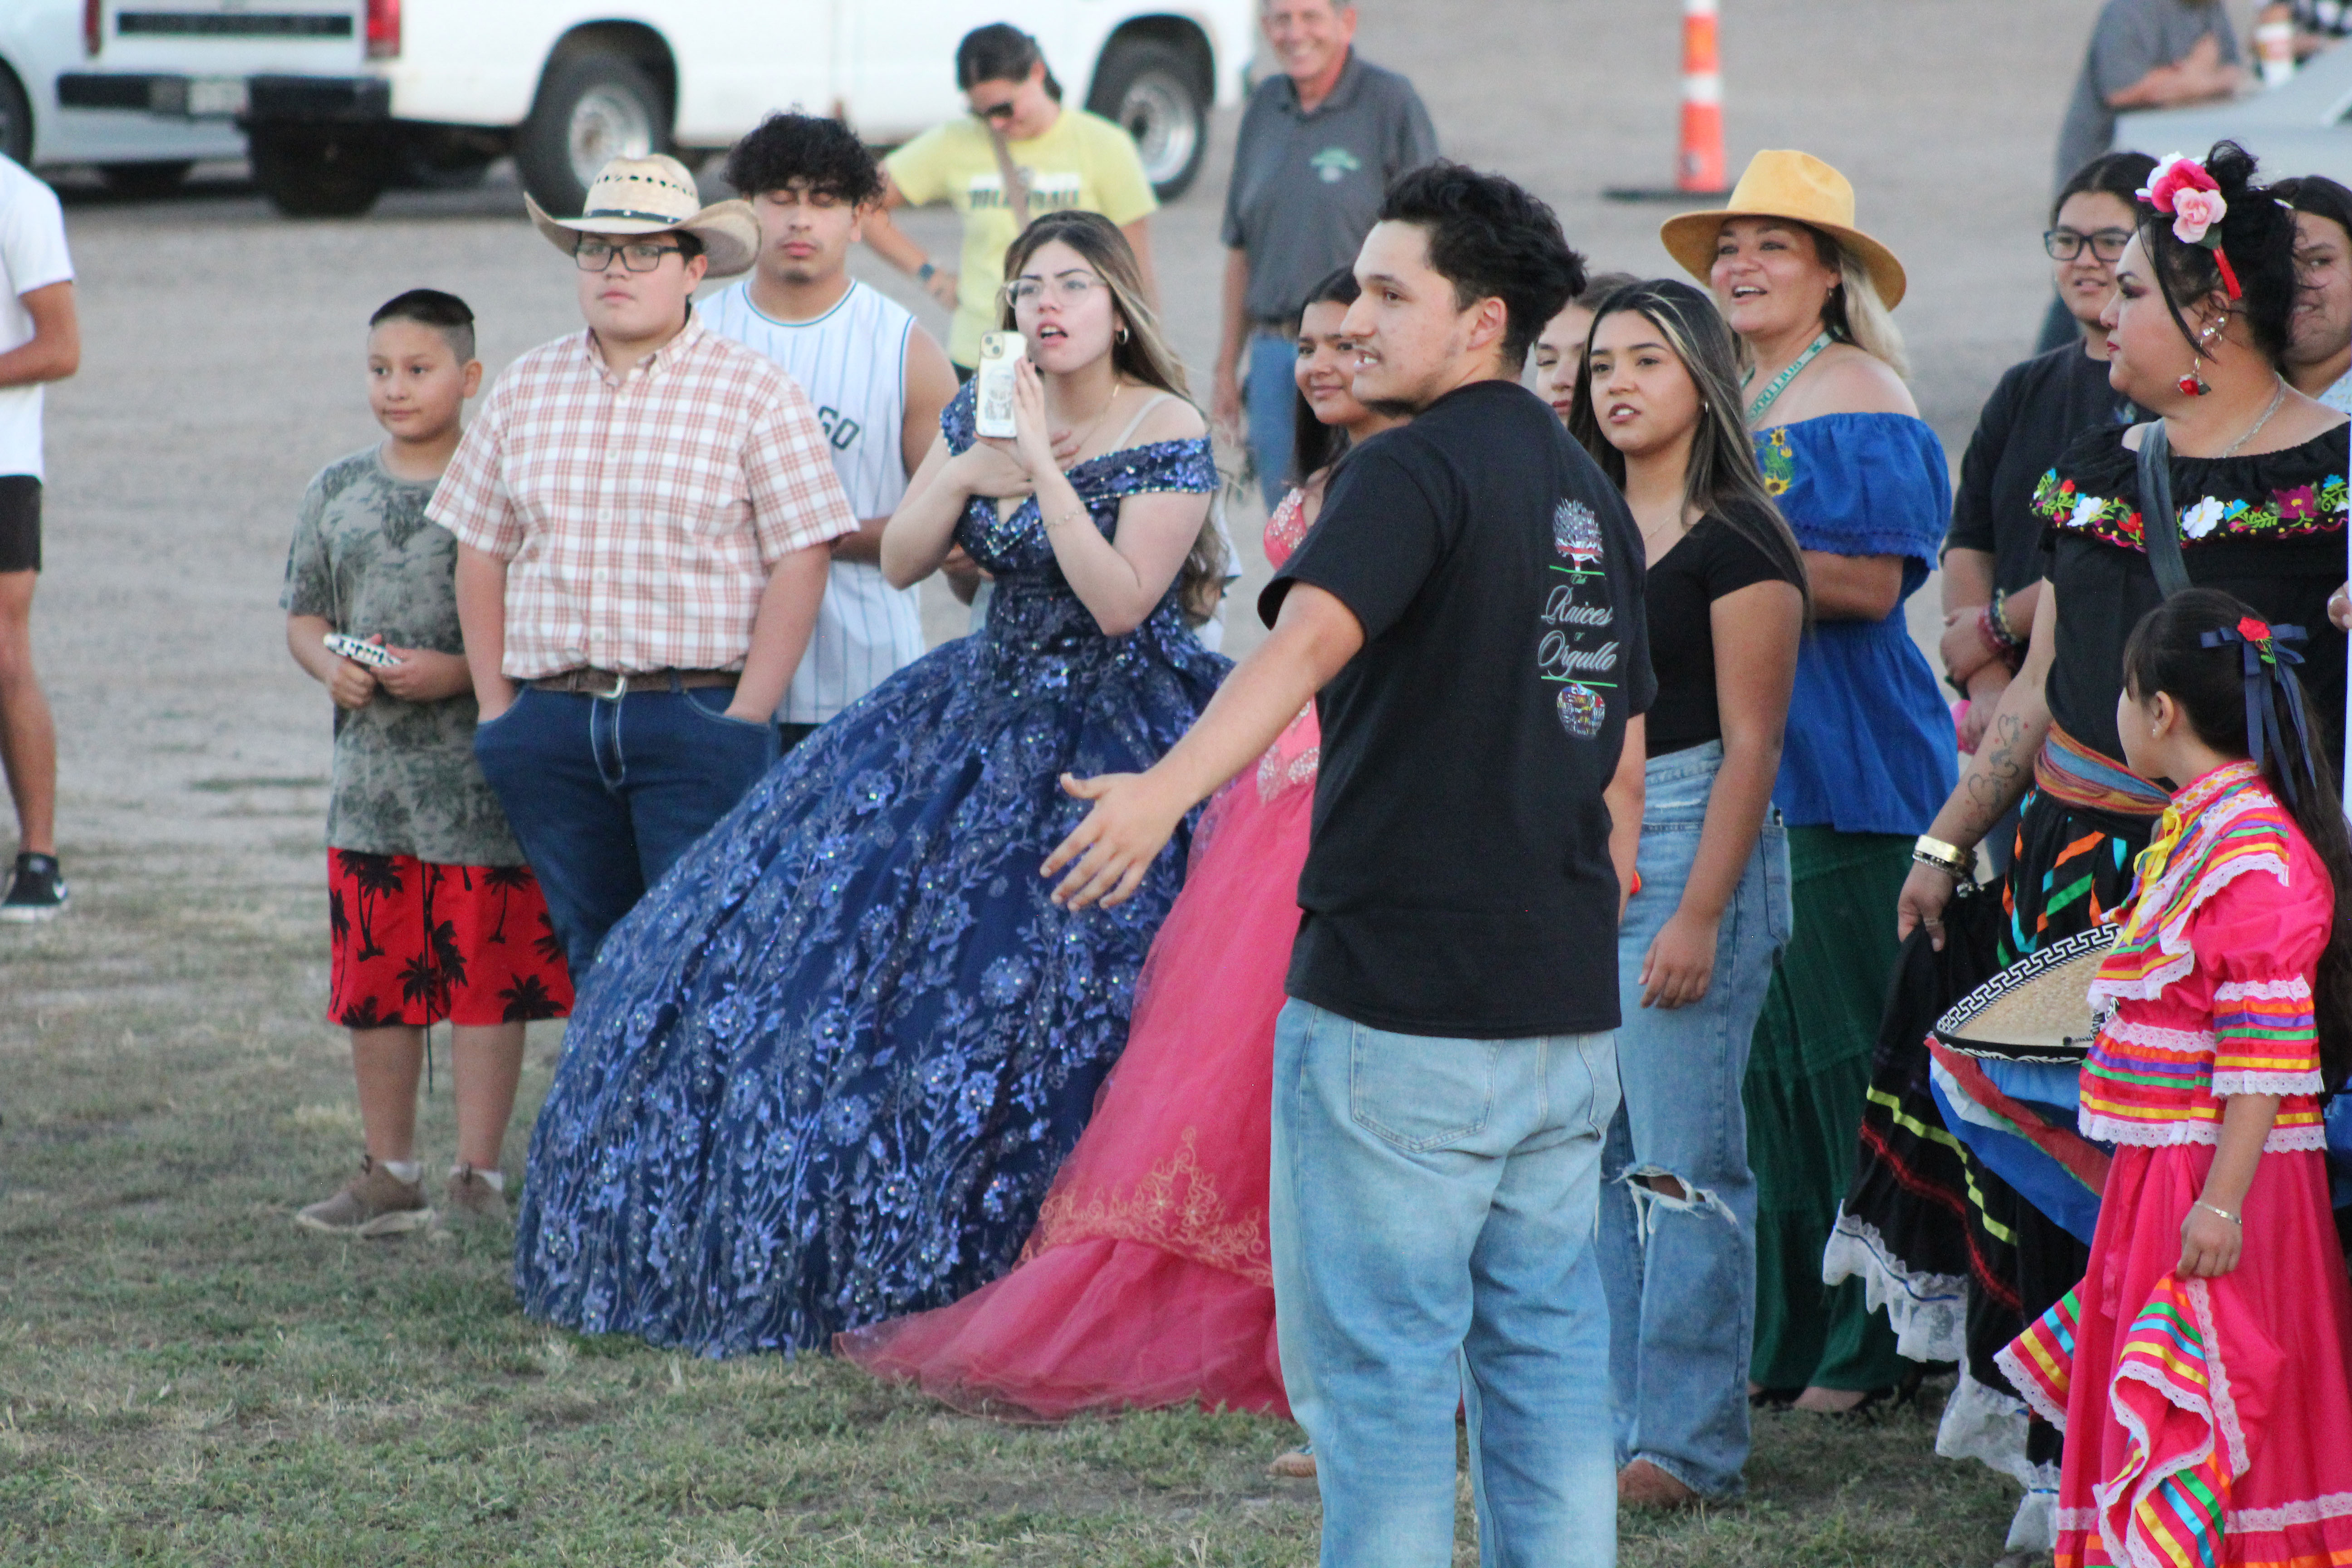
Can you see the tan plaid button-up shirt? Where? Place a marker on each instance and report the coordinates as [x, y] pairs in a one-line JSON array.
[[639, 516]]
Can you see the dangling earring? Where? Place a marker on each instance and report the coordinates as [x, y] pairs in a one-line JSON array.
[[2193, 385]]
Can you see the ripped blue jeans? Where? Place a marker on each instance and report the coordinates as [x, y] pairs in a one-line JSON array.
[[1680, 1271]]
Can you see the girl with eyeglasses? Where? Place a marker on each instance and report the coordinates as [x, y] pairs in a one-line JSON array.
[[1993, 556], [826, 1071]]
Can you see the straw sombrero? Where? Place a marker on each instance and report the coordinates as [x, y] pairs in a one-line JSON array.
[[1792, 185], [2038, 1009], [656, 194]]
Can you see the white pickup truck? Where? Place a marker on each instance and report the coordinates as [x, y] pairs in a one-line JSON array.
[[363, 92]]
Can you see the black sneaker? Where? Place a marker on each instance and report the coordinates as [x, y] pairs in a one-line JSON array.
[[36, 892]]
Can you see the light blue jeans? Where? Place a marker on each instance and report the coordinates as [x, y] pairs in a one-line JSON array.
[[1270, 399], [1681, 1273], [1433, 1213]]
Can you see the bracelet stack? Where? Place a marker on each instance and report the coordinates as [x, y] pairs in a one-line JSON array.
[[1992, 625], [1949, 858]]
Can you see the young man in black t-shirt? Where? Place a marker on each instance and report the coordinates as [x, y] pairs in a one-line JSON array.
[[1469, 608]]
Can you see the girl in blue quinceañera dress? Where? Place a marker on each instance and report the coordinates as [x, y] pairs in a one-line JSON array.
[[825, 1073]]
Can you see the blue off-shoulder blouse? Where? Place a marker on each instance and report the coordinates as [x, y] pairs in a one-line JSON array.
[[1870, 745]]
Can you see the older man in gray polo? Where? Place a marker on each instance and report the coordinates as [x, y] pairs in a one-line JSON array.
[[1319, 145]]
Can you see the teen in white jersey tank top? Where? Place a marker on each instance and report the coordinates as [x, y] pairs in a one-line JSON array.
[[878, 382]]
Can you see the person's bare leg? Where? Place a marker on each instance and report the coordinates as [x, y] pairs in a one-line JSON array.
[[28, 735], [387, 1063], [486, 1062]]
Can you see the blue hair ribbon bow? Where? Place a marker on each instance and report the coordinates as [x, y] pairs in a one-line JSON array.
[[2266, 665]]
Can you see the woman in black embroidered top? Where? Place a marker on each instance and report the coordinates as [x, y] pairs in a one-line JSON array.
[[2198, 328]]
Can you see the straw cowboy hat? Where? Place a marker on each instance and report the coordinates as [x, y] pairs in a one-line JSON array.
[[1792, 185], [656, 195]]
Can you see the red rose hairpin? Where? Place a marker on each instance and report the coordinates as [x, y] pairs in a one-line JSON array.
[[2265, 668]]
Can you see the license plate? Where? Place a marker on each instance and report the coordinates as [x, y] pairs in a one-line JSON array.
[[217, 95]]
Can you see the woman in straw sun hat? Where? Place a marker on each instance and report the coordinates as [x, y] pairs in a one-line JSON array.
[[635, 197], [1869, 754]]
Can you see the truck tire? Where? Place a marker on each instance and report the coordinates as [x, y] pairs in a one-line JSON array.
[[591, 107], [145, 182], [15, 118], [317, 171], [1155, 90]]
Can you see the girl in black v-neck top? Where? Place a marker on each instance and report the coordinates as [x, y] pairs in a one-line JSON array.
[[1658, 406]]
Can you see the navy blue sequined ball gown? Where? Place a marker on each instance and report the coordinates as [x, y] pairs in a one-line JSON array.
[[824, 1074]]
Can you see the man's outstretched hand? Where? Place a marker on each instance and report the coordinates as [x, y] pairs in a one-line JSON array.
[[1116, 845]]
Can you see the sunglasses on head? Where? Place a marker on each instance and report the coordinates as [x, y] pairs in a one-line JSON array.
[[996, 113]]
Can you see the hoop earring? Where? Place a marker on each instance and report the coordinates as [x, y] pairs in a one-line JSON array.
[[1122, 337]]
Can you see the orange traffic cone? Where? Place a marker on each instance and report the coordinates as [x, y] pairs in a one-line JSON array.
[[1699, 169]]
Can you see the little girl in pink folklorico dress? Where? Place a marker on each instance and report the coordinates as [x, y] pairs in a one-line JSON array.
[[2202, 1369]]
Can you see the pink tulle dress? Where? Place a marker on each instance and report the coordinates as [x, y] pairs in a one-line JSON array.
[[1146, 1281], [2207, 1421]]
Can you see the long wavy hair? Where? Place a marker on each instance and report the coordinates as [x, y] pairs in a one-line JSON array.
[[2166, 653], [1139, 353], [1722, 477]]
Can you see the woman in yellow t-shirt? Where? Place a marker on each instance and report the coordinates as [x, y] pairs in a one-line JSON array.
[[1065, 158]]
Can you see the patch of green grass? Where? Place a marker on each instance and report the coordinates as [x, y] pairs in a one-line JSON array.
[[186, 1377]]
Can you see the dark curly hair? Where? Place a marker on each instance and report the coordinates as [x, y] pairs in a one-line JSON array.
[[1491, 240], [822, 152], [2257, 234]]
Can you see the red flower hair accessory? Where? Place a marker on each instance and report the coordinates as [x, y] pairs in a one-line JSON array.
[[2180, 189], [2254, 630]]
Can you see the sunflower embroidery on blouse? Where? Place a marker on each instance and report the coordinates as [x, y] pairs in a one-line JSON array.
[[2285, 514], [1780, 462]]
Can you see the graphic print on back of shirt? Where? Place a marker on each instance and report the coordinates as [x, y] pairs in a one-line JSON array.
[[1577, 643]]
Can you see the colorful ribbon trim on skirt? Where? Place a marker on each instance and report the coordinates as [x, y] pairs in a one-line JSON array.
[[2071, 773]]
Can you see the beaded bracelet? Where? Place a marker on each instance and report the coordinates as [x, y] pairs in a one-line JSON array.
[[1997, 613]]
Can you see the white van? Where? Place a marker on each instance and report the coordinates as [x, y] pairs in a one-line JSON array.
[[391, 87]]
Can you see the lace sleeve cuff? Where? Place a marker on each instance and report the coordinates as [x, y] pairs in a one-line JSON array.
[[2238, 1081]]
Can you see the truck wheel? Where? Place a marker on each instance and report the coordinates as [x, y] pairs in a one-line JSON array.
[[144, 182], [1156, 92], [317, 171], [15, 118], [592, 108]]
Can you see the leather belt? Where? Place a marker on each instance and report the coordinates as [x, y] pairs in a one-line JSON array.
[[614, 683]]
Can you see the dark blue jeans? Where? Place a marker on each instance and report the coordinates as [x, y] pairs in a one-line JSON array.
[[605, 793]]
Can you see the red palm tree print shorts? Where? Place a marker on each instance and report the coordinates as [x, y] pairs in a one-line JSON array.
[[417, 944]]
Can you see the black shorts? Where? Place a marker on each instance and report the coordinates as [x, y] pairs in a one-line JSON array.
[[20, 524]]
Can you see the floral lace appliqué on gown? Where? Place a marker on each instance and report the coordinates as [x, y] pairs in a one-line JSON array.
[[825, 1073], [1148, 1282]]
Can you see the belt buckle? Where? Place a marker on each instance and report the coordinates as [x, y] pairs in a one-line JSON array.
[[620, 687]]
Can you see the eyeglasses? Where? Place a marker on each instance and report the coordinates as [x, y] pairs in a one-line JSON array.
[[596, 255], [1070, 288], [996, 113], [2065, 243]]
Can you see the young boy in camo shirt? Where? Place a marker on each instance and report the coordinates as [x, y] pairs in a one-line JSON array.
[[432, 912]]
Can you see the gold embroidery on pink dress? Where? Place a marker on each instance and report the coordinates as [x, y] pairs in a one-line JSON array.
[[1286, 528], [1175, 1208]]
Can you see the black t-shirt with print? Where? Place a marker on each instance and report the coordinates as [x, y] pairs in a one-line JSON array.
[[1457, 879], [1711, 562]]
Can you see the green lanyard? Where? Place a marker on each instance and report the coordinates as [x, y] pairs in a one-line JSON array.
[[1780, 382]]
